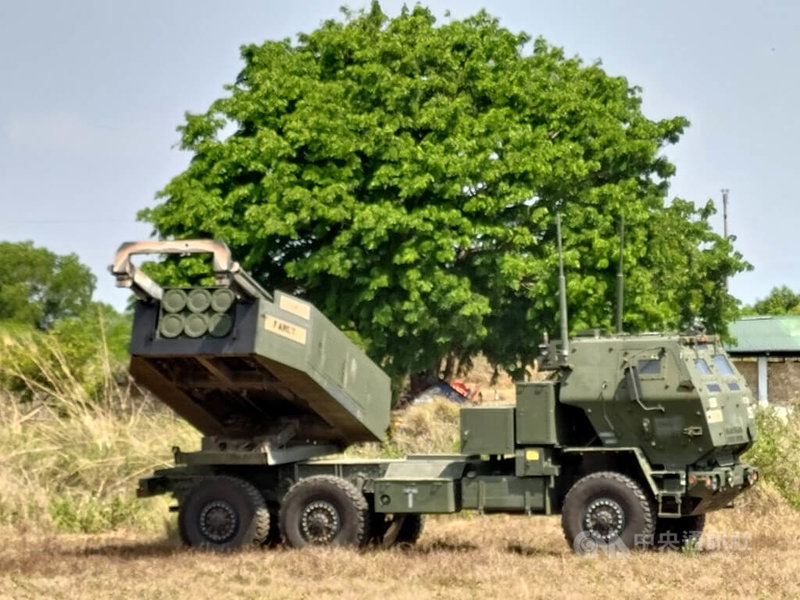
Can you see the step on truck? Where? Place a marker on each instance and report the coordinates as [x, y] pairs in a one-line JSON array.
[[632, 439]]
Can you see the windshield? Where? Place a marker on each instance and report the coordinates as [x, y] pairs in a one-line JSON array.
[[722, 365], [702, 366]]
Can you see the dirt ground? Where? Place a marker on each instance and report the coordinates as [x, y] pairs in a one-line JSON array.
[[470, 556]]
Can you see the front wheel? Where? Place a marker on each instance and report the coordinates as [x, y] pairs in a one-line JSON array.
[[607, 512], [324, 511]]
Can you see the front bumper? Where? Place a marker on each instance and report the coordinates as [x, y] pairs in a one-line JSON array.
[[713, 489]]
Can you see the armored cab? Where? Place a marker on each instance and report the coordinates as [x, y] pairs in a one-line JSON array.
[[677, 399], [250, 370], [656, 422]]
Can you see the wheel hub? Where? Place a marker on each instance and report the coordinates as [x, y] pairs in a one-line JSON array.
[[218, 521], [320, 522], [604, 519]]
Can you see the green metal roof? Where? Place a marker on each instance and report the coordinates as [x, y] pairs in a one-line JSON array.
[[766, 335]]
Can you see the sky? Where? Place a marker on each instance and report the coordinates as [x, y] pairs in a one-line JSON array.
[[91, 93]]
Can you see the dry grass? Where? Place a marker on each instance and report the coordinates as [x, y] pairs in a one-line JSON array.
[[71, 462], [460, 556], [457, 557], [77, 470]]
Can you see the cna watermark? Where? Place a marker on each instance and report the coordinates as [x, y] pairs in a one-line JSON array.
[[586, 545], [710, 541]]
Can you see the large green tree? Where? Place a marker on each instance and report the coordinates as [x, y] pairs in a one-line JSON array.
[[39, 287], [404, 176]]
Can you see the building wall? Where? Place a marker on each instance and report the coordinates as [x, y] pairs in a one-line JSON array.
[[749, 368], [783, 378]]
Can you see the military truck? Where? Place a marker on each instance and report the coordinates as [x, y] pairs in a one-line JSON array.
[[631, 437]]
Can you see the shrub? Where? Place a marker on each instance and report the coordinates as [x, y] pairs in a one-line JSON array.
[[88, 351], [72, 456], [776, 452]]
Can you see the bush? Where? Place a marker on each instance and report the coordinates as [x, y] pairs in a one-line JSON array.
[[87, 352], [776, 452], [72, 453]]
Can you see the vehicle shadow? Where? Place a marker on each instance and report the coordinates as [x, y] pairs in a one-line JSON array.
[[131, 550], [531, 551], [437, 546], [167, 547]]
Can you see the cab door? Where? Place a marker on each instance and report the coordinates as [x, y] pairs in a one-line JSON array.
[[661, 405]]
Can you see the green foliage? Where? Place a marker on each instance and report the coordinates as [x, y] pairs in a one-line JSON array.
[[72, 462], [780, 301], [403, 177], [87, 514], [38, 287], [775, 453], [78, 352], [98, 328]]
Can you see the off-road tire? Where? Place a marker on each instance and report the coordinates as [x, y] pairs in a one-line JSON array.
[[400, 529], [676, 534], [606, 510], [274, 535], [223, 513], [325, 511]]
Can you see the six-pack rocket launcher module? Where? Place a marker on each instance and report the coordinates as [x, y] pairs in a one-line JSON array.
[[632, 437]]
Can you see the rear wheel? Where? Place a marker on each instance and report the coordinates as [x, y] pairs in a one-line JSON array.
[[324, 511], [607, 511], [223, 513], [674, 534]]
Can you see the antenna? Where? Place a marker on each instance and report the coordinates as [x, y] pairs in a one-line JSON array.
[[725, 219], [620, 274], [725, 193], [562, 294]]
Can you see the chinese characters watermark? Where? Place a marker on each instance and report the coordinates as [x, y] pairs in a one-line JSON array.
[[709, 541]]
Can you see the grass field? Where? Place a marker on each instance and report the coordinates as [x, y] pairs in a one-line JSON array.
[[52, 463], [69, 469], [457, 557]]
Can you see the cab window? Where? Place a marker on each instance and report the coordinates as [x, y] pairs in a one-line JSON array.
[[649, 366], [702, 366], [722, 365]]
